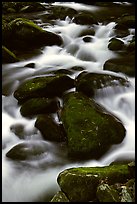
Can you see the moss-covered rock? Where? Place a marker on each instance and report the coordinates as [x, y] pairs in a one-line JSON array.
[[27, 150], [122, 64], [89, 83], [80, 184], [25, 34], [49, 129], [37, 106], [115, 44], [59, 197], [8, 56], [106, 193], [47, 86], [90, 129]]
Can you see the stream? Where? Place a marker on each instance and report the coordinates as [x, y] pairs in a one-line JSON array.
[[37, 180]]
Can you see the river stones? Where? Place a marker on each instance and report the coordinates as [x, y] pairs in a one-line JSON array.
[[90, 129], [47, 86], [85, 18], [27, 150], [115, 44], [49, 129], [37, 106], [122, 64], [89, 83], [81, 183], [27, 35]]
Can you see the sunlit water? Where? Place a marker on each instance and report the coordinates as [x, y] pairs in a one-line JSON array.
[[30, 182]]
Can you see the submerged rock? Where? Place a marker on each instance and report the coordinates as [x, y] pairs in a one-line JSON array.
[[90, 129], [27, 150]]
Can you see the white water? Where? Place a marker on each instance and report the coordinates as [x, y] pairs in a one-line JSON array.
[[28, 183]]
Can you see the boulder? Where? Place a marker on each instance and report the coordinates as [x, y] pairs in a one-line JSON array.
[[122, 64], [47, 86], [89, 83], [25, 34], [90, 129], [80, 184]]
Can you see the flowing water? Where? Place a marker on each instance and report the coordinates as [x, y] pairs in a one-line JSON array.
[[22, 182]]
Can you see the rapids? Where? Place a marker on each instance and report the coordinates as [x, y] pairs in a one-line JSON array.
[[29, 182]]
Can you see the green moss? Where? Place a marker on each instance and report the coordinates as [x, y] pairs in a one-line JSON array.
[[88, 128], [80, 184]]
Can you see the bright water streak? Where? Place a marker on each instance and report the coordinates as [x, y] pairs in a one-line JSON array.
[[28, 184]]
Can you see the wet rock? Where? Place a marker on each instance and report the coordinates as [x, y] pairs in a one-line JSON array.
[[31, 65], [49, 129], [59, 197], [8, 56], [125, 22], [27, 150], [89, 83], [61, 12], [85, 18], [90, 129], [106, 193], [37, 106], [21, 7], [88, 31], [48, 86], [27, 35], [122, 64], [80, 184], [115, 44]]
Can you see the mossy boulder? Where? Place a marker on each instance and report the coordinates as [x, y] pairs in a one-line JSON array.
[[35, 106], [47, 86], [50, 129], [122, 64], [88, 31], [8, 56], [90, 129], [89, 83], [25, 34], [59, 197], [80, 184], [115, 44], [27, 150]]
